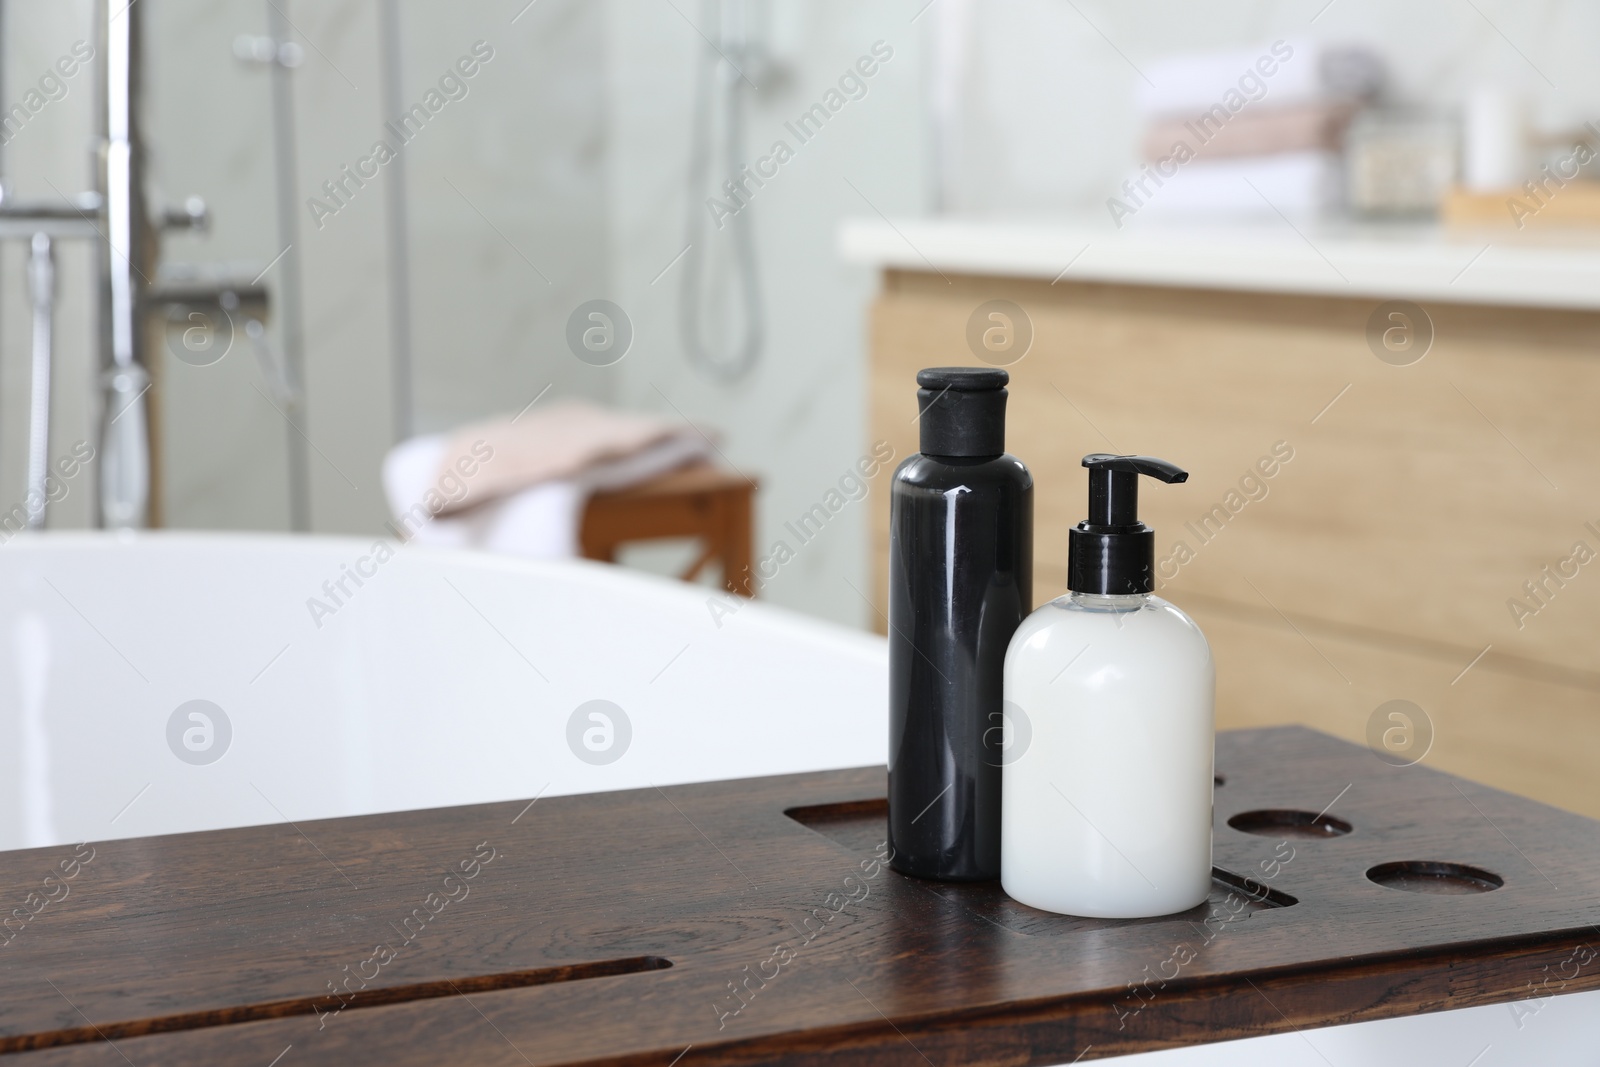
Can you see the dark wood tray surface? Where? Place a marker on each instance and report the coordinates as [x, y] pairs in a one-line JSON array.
[[748, 921]]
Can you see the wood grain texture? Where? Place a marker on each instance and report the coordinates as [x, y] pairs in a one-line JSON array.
[[717, 880], [1414, 507]]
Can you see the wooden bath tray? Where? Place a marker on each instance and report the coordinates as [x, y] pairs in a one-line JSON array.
[[750, 921]]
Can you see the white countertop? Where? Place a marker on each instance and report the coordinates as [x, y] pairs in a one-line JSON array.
[[1384, 262]]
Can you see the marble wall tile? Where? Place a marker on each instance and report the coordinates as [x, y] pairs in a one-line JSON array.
[[797, 422], [224, 446]]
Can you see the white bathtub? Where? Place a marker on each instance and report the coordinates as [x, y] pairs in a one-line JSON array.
[[445, 678], [451, 678]]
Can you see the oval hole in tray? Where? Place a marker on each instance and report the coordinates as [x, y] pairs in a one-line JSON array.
[[1434, 876], [1285, 822]]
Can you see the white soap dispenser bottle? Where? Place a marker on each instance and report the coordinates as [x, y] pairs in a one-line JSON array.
[[1109, 692]]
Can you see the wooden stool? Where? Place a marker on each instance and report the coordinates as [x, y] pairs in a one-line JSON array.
[[701, 501]]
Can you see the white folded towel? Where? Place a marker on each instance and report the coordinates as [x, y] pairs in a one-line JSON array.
[[1275, 74]]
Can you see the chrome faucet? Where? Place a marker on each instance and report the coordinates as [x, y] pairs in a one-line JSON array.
[[116, 217], [127, 261], [42, 290]]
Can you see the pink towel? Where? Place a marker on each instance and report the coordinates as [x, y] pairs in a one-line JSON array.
[[1258, 131], [545, 444]]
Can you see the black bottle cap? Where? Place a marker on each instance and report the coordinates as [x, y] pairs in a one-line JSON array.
[[1112, 553], [963, 410]]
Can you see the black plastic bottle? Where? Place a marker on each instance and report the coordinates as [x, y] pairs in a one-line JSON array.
[[960, 581]]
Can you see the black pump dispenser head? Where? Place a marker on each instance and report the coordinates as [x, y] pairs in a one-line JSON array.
[[1112, 553], [963, 411]]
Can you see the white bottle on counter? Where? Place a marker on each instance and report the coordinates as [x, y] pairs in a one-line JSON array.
[[1106, 790]]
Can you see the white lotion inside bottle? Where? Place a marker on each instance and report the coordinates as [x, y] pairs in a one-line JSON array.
[[1106, 804]]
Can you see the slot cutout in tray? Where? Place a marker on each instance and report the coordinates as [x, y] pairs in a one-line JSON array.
[[859, 825], [371, 997]]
